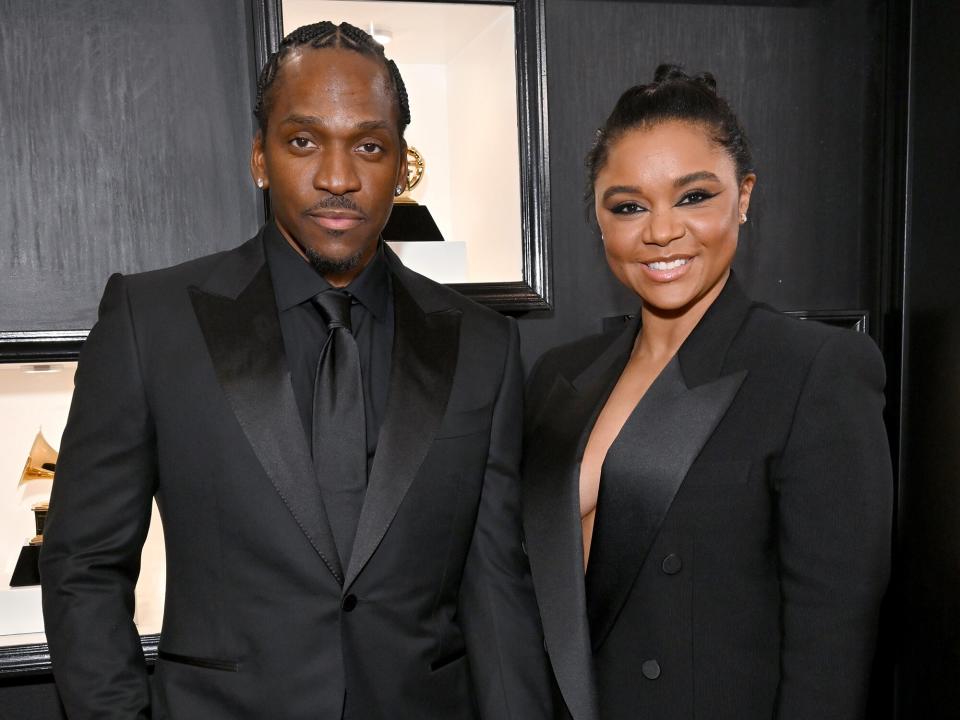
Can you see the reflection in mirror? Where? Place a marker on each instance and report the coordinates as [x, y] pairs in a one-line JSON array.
[[458, 62]]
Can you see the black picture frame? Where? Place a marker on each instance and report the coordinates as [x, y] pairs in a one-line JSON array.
[[858, 320], [41, 346], [534, 291], [34, 658]]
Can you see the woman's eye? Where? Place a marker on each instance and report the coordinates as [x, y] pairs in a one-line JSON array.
[[626, 208], [695, 196]]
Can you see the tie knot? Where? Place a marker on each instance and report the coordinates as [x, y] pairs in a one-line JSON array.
[[334, 307]]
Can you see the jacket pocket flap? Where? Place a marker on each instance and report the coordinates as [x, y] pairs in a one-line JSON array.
[[208, 663]]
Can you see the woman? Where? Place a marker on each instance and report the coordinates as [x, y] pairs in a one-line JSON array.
[[708, 490]]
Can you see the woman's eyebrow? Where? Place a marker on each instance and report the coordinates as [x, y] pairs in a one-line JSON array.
[[695, 177], [615, 189]]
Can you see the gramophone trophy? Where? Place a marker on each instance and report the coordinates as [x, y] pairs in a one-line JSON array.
[[41, 465], [409, 220]]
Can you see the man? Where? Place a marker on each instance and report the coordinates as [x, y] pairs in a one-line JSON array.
[[333, 443]]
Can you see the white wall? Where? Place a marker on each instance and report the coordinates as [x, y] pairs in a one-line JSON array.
[[458, 63], [29, 402], [428, 133], [485, 165]]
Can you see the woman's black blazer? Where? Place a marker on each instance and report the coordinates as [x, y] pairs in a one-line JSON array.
[[742, 537]]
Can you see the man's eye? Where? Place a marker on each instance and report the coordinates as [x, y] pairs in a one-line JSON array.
[[370, 147], [694, 197], [301, 143], [627, 208]]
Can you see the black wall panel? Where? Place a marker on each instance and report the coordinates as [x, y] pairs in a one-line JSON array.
[[928, 686], [125, 129], [806, 79]]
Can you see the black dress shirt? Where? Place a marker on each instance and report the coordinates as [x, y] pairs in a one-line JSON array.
[[295, 283]]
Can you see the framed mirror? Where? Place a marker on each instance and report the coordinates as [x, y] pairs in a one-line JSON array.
[[475, 76]]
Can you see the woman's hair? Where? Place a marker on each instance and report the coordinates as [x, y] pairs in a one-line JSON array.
[[673, 95]]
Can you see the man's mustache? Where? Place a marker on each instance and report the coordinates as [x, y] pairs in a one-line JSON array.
[[334, 202]]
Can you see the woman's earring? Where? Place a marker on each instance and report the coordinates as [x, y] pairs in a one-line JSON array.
[[260, 183]]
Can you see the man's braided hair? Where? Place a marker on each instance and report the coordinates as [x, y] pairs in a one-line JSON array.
[[327, 35]]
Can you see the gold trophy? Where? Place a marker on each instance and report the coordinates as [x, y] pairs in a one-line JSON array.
[[41, 464], [411, 221]]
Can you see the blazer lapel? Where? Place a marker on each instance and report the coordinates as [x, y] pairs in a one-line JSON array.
[[641, 475], [237, 313], [553, 453], [426, 343], [648, 461]]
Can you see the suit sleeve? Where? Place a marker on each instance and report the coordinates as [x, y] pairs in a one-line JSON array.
[[499, 611], [835, 488], [98, 521]]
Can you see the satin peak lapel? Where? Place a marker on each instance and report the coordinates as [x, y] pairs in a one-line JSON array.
[[246, 346], [424, 361], [641, 475], [552, 455]]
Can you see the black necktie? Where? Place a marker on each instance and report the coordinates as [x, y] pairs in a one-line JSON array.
[[339, 429]]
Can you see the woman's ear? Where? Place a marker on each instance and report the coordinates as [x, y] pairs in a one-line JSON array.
[[746, 188]]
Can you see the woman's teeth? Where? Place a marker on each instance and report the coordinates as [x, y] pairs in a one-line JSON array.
[[673, 264]]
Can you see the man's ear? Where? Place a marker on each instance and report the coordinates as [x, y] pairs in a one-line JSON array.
[[402, 173], [258, 162]]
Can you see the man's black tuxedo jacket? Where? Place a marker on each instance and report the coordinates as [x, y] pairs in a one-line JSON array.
[[183, 393], [742, 538]]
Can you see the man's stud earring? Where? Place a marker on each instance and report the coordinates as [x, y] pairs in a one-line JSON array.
[[743, 218], [398, 190], [260, 183]]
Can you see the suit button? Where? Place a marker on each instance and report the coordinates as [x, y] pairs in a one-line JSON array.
[[671, 564], [349, 602], [650, 669]]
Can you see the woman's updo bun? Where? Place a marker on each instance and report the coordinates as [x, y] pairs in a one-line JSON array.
[[673, 95], [668, 71]]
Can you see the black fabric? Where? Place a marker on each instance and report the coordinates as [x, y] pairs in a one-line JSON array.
[[339, 433], [567, 406], [372, 323], [256, 384], [742, 538], [183, 394], [427, 357], [641, 475]]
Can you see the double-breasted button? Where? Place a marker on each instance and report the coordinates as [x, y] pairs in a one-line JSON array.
[[650, 669], [671, 564], [349, 603]]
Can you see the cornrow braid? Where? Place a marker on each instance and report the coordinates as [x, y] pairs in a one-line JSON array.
[[327, 35]]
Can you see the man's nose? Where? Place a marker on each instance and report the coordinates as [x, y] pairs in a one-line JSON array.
[[336, 172]]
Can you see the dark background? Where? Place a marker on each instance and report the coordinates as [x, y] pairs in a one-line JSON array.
[[124, 143], [124, 137]]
